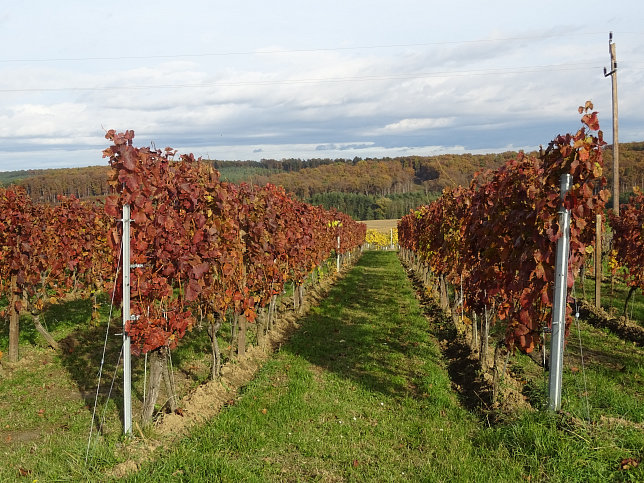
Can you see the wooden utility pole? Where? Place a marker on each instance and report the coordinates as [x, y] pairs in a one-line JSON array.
[[613, 76], [598, 221]]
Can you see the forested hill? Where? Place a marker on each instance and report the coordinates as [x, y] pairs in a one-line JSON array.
[[381, 188], [44, 185], [363, 188]]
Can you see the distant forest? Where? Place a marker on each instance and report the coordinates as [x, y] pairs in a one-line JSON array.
[[371, 188]]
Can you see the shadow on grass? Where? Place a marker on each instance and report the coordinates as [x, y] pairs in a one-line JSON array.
[[360, 330], [82, 351], [81, 354], [80, 344], [57, 319]]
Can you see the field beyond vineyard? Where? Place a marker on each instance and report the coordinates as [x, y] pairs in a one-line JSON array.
[[364, 390], [382, 226]]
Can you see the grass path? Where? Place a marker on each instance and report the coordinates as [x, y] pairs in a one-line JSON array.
[[359, 393]]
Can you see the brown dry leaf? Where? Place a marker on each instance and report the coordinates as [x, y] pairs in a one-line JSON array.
[[356, 463], [628, 463], [24, 472]]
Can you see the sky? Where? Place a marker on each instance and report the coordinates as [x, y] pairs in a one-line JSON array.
[[253, 79]]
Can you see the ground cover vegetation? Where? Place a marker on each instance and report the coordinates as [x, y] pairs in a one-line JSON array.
[[206, 254], [48, 396], [213, 258], [359, 392], [362, 392]]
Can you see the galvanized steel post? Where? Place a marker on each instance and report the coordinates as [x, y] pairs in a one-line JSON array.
[[559, 301], [127, 367]]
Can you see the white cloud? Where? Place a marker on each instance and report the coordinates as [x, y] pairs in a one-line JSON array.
[[273, 80], [417, 124]]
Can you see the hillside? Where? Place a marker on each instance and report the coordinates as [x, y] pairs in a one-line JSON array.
[[631, 167], [364, 188]]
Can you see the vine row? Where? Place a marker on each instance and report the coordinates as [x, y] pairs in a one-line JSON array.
[[494, 242]]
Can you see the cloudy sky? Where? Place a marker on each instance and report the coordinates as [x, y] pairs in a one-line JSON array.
[[251, 79]]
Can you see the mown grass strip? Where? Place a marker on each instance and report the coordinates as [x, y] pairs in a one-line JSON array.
[[358, 393]]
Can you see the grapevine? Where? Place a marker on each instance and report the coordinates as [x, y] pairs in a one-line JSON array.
[[628, 242], [496, 238]]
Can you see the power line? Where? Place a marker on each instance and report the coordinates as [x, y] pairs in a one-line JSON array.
[[296, 51], [501, 71]]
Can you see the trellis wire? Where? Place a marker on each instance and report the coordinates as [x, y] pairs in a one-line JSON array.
[[145, 366], [109, 394], [100, 370], [581, 352]]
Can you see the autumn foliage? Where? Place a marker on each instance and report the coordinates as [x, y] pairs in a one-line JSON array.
[[628, 239], [379, 240], [48, 252], [497, 237], [202, 245]]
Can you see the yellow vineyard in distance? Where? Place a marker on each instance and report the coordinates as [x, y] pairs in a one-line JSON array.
[[380, 233]]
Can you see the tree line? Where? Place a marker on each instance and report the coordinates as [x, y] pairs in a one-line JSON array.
[[369, 188]]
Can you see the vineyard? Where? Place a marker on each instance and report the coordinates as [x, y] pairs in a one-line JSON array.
[[444, 361], [202, 251]]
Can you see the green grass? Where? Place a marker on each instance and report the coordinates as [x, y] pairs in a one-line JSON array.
[[48, 397], [359, 393], [613, 296], [614, 372], [606, 383], [602, 403], [51, 444]]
